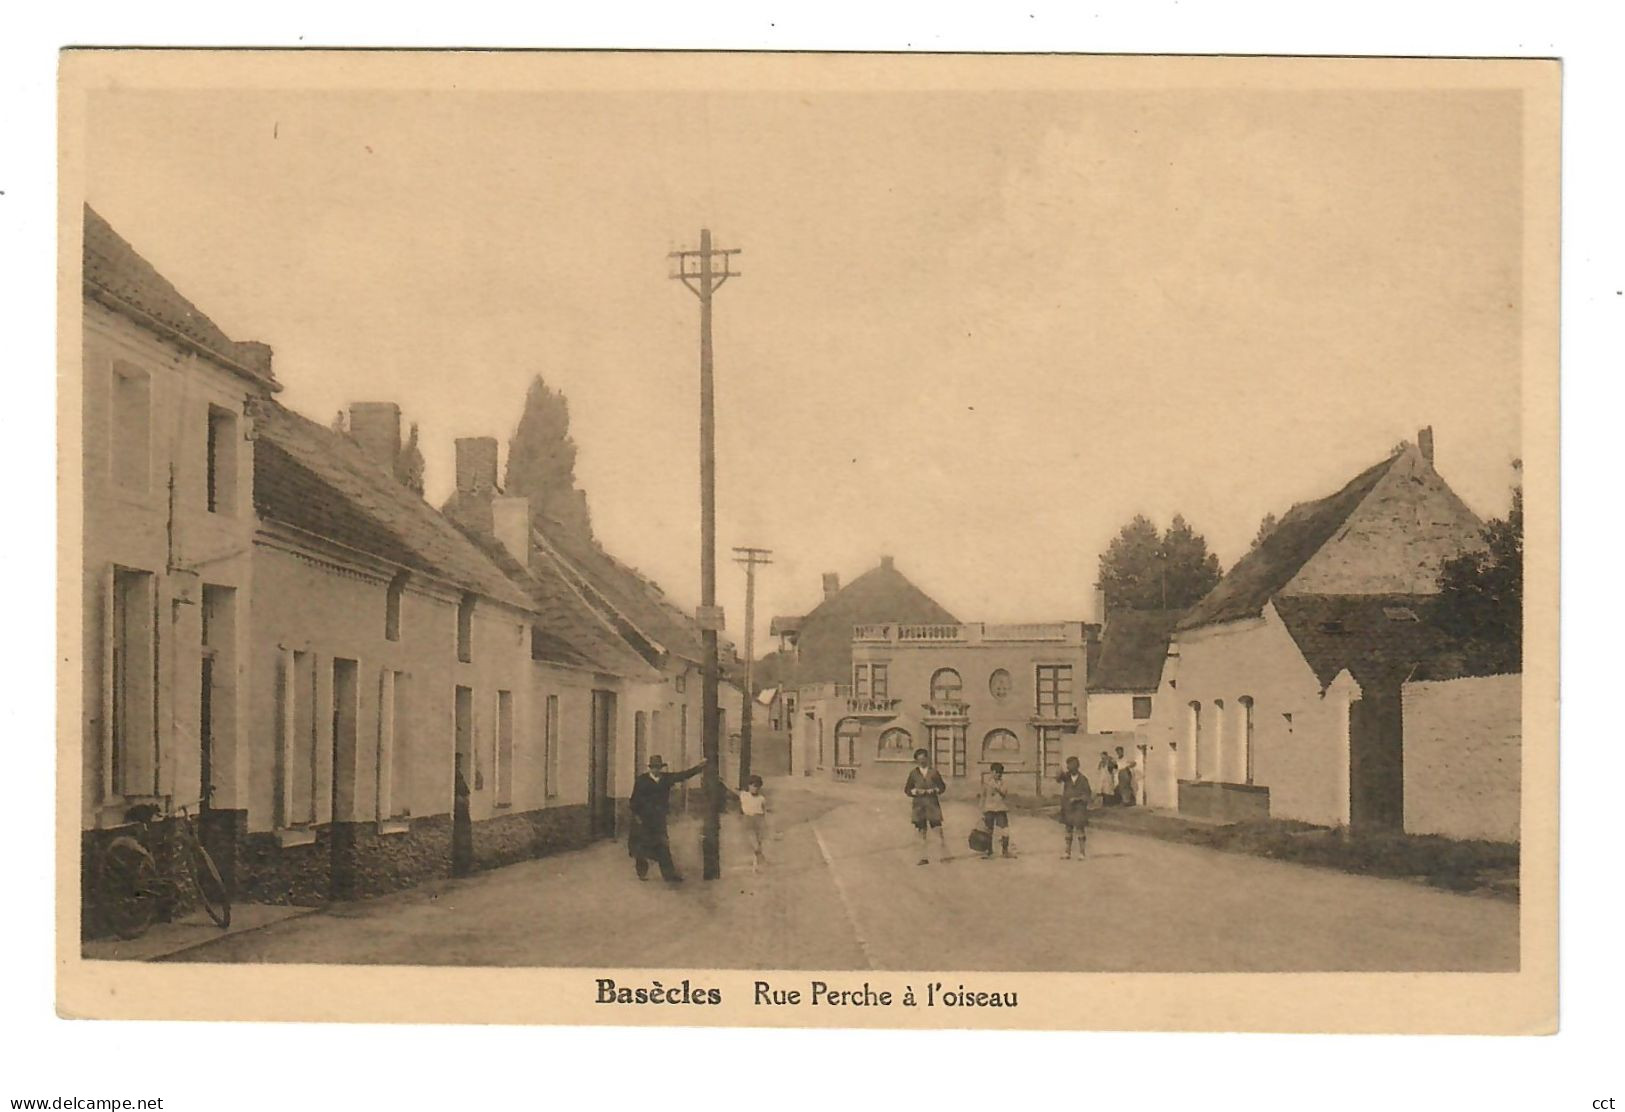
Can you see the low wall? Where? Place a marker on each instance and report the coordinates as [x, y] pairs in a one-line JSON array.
[[1463, 757], [1209, 799]]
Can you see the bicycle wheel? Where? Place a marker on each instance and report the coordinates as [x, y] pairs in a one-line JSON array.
[[129, 884], [210, 888]]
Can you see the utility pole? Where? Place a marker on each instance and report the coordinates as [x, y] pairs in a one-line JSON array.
[[698, 270], [751, 559]]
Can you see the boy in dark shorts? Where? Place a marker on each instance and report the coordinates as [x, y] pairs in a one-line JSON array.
[[924, 789], [1075, 797], [996, 810]]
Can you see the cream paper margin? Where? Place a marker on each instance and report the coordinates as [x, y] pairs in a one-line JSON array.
[[1524, 1002]]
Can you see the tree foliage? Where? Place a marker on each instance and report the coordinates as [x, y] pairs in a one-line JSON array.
[[1265, 528], [1145, 570], [542, 459], [1481, 595]]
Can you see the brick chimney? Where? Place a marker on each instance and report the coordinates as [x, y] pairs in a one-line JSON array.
[[886, 562], [376, 427], [832, 584], [476, 465], [1424, 444]]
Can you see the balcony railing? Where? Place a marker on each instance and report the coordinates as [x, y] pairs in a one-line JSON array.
[[1026, 631], [946, 708], [863, 704], [1056, 712], [847, 774], [878, 631], [931, 632]]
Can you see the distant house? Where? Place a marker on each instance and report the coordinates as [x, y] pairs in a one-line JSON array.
[[1125, 670], [1280, 690], [816, 652]]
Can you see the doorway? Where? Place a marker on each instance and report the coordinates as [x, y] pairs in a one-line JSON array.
[[600, 807]]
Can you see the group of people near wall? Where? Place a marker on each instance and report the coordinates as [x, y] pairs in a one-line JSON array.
[[1114, 778]]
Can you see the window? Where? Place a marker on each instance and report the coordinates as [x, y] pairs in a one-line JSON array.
[[504, 755], [222, 461], [640, 741], [869, 681], [682, 735], [1142, 707], [1218, 758], [896, 744], [1194, 765], [392, 607], [465, 628], [847, 732], [346, 690], [1246, 704], [1054, 690], [296, 756], [1049, 749], [999, 684], [132, 428], [550, 747], [999, 745], [394, 746], [946, 686], [132, 676]]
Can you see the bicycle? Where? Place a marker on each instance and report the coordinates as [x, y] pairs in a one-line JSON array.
[[134, 889]]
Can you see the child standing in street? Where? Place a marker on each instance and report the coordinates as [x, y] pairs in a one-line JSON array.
[[753, 806], [996, 810]]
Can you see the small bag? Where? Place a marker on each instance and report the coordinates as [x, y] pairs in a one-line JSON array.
[[981, 840]]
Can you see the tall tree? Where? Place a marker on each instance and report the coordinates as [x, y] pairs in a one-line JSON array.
[[542, 459], [1144, 570], [1265, 528], [1481, 594]]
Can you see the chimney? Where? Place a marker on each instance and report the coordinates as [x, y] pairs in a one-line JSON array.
[[476, 465], [886, 563], [832, 584], [1100, 605], [1424, 444], [510, 522], [376, 427]]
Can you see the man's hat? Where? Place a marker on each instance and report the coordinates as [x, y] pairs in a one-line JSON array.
[[656, 762]]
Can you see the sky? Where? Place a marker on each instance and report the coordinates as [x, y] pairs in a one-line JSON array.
[[974, 331]]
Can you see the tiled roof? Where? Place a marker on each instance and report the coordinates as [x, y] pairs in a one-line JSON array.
[[320, 482], [881, 594], [1132, 649], [117, 274], [569, 631], [1380, 639], [1264, 571], [630, 594]]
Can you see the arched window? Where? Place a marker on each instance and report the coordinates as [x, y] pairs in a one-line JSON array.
[[999, 684], [465, 628], [1194, 765], [896, 744], [1246, 703], [847, 732], [1000, 745], [640, 742], [1221, 770], [946, 686]]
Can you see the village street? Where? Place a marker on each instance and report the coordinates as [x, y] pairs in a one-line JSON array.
[[843, 891]]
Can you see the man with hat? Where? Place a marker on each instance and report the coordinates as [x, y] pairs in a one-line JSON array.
[[651, 800]]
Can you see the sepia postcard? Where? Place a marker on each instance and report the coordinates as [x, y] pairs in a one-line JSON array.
[[1007, 541]]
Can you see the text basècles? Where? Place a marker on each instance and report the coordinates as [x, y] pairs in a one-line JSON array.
[[656, 993]]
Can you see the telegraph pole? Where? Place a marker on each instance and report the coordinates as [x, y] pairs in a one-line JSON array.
[[751, 559], [698, 270]]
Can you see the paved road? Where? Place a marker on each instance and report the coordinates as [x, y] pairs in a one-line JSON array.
[[843, 891]]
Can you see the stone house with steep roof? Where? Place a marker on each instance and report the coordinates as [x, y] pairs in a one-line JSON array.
[[283, 636], [1280, 691], [168, 463], [655, 646]]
